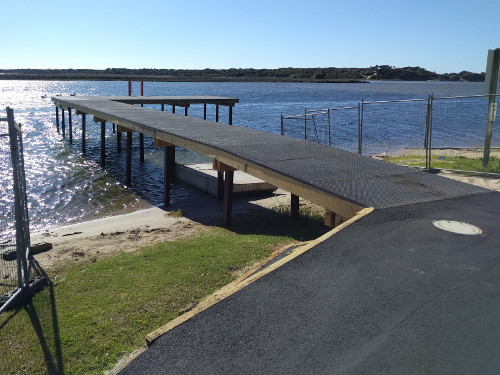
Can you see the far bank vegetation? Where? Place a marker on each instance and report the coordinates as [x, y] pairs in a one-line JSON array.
[[378, 72]]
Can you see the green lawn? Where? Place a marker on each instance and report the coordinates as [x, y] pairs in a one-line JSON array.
[[450, 162], [92, 314]]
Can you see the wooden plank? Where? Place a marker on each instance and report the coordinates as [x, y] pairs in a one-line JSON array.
[[160, 143], [221, 167], [98, 119], [333, 219], [123, 129]]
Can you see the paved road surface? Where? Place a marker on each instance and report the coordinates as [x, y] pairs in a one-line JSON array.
[[390, 294]]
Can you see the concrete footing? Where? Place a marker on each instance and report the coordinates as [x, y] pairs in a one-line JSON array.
[[204, 178]]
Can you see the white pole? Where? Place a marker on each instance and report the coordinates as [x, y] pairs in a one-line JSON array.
[[491, 83]]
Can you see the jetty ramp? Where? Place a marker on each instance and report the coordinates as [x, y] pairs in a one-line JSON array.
[[341, 182]]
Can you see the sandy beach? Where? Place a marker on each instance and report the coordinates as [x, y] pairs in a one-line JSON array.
[[100, 238], [124, 233]]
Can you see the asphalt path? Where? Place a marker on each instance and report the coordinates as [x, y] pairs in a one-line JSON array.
[[390, 294]]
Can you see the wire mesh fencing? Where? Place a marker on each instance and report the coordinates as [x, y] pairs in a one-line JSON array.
[[15, 261], [8, 268], [459, 131], [442, 132]]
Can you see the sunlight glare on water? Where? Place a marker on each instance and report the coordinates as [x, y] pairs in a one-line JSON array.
[[65, 186]]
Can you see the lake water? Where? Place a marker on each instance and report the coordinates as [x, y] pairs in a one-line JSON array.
[[63, 186]]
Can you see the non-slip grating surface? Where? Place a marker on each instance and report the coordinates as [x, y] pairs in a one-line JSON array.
[[358, 179]]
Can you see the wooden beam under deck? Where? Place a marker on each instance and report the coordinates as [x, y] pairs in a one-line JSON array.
[[130, 119]]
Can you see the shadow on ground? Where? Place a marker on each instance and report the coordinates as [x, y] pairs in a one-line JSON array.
[[248, 217], [30, 340]]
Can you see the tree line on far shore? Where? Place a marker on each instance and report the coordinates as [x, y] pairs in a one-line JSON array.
[[378, 72]]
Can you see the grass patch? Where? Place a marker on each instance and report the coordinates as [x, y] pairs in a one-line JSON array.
[[278, 221], [93, 313], [176, 213], [450, 162]]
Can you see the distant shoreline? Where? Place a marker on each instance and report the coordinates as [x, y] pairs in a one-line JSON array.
[[76, 77], [315, 75]]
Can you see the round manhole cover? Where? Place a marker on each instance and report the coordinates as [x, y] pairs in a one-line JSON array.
[[457, 227]]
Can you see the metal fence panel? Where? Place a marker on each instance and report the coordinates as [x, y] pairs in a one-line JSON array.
[[459, 128], [433, 133], [395, 128], [8, 266], [15, 267]]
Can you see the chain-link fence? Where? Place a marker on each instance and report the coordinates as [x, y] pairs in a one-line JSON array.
[[15, 261], [439, 133]]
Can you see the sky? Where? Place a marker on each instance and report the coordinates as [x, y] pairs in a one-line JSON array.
[[440, 35]]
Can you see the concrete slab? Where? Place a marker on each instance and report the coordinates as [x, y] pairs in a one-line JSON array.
[[204, 178]]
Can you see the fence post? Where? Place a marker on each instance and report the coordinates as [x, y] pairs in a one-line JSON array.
[[426, 133], [429, 143], [360, 126], [282, 126], [329, 130], [20, 198], [305, 123], [492, 105]]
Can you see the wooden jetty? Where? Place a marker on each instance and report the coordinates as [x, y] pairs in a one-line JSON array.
[[341, 182]]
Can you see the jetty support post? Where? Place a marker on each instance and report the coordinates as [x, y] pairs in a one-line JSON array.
[[128, 177], [141, 136], [168, 168], [220, 174], [84, 131], [103, 140], [128, 172], [333, 219], [63, 124], [57, 118], [141, 147], [294, 206], [118, 140], [103, 144], [70, 126], [227, 204], [230, 115], [204, 111]]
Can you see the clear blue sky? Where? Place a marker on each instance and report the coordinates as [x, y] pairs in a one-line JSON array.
[[439, 35]]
